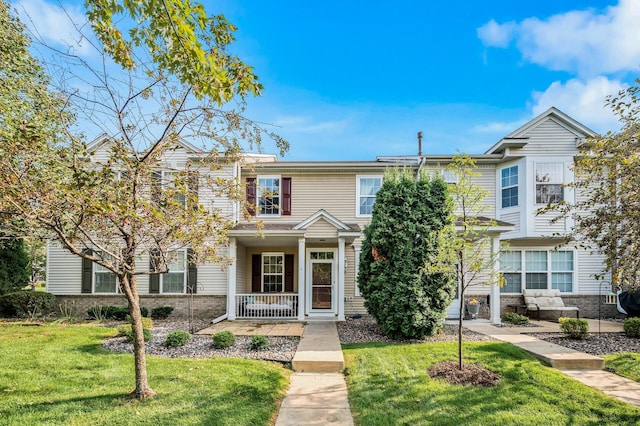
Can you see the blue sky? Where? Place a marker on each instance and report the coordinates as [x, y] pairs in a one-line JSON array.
[[350, 80]]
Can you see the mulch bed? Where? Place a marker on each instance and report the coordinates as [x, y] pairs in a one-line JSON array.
[[470, 375]]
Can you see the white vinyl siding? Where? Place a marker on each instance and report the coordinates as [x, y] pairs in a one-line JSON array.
[[549, 138]]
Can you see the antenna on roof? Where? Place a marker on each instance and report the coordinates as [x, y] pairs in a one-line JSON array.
[[420, 144]]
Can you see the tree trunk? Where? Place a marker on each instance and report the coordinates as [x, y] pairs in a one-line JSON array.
[[142, 390], [461, 313]]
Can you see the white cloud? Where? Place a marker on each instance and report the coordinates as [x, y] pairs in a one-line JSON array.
[[586, 42], [493, 34], [582, 100], [54, 23]]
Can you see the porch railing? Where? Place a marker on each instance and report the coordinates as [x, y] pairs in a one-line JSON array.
[[263, 305]]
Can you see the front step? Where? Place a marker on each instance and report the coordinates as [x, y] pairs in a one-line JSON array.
[[319, 350], [562, 358]]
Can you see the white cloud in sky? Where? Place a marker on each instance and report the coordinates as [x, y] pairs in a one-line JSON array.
[[586, 42], [55, 24], [582, 100]]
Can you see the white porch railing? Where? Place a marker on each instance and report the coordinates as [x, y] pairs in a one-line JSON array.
[[267, 305]]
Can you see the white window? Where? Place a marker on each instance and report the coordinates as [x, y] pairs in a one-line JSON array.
[[174, 280], [169, 181], [366, 189], [268, 195], [539, 270], [549, 188], [104, 281], [272, 272], [450, 177], [509, 184]]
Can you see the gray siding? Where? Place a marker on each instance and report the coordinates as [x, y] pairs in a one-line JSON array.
[[549, 138], [64, 275]]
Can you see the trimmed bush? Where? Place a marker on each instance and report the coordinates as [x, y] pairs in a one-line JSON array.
[[258, 342], [128, 333], [118, 313], [177, 338], [223, 339], [26, 303], [574, 328], [161, 312], [515, 319], [632, 327]]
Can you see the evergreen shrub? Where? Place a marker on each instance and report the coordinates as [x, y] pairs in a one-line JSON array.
[[258, 342], [631, 327], [26, 303], [574, 328], [223, 339], [177, 338], [161, 312]]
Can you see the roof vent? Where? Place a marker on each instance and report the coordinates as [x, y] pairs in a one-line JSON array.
[[420, 144]]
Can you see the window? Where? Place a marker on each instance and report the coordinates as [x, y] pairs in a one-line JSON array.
[[174, 280], [540, 270], [450, 177], [268, 196], [169, 182], [509, 184], [104, 281], [549, 183], [272, 272], [367, 187]]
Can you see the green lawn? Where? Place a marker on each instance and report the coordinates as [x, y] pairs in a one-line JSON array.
[[61, 375], [389, 385], [624, 364]]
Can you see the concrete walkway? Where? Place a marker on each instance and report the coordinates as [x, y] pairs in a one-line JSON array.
[[585, 368], [317, 394]]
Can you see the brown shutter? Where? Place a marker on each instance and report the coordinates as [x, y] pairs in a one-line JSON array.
[[256, 273], [288, 273], [154, 279], [192, 274], [251, 196], [87, 273], [156, 186], [192, 190], [286, 196]]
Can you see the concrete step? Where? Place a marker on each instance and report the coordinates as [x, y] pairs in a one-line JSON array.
[[562, 358], [319, 350]]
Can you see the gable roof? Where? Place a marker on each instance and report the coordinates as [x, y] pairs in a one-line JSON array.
[[323, 214], [518, 138], [104, 138]]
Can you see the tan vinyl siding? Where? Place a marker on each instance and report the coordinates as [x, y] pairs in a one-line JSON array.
[[356, 304], [242, 266], [321, 229], [549, 138], [212, 279], [64, 271]]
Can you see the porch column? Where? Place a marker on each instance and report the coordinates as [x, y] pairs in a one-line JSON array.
[[301, 279], [341, 267], [495, 285], [231, 279]]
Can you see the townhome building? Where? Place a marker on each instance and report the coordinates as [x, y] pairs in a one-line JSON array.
[[295, 255]]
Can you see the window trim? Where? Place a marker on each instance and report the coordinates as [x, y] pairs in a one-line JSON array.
[[358, 196], [549, 269], [185, 272], [258, 210], [503, 188], [536, 183], [282, 274], [170, 183]]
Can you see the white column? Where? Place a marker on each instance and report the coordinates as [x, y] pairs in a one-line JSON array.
[[301, 279], [495, 286], [231, 280], [341, 268]]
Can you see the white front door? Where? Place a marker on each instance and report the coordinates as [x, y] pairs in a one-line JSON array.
[[321, 279], [453, 311]]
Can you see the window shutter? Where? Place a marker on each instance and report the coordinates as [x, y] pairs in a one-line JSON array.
[[256, 273], [192, 274], [156, 186], [251, 196], [286, 196], [154, 279], [192, 188], [288, 273], [87, 273]]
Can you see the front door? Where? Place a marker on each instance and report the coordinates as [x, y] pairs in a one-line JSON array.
[[321, 295]]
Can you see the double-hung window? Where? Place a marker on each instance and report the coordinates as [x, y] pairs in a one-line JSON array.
[[367, 187], [174, 280], [104, 281], [509, 184], [169, 180], [268, 195], [537, 269], [549, 185], [273, 272]]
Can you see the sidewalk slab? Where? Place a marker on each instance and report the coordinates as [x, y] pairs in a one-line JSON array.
[[610, 384]]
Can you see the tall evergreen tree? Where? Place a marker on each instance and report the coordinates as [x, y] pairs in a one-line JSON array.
[[14, 265], [410, 219]]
